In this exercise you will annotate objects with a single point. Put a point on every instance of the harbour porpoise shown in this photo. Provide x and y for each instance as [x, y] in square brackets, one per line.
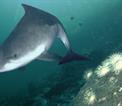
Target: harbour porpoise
[32, 38]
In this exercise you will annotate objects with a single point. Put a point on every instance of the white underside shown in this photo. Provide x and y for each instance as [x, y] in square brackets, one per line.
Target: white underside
[16, 63]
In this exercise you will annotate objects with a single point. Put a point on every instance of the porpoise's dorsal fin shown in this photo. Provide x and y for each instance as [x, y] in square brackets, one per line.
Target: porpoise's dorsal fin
[27, 8]
[31, 9]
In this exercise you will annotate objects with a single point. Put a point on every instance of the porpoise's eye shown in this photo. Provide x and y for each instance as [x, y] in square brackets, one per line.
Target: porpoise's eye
[15, 55]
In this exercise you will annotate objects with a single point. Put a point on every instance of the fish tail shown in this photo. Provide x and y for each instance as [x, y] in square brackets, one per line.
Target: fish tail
[72, 56]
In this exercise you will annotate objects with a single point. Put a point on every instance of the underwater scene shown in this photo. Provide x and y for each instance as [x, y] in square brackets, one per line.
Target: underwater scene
[60, 53]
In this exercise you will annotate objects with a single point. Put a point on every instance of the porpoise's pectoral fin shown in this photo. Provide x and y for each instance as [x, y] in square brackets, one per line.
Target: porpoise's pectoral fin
[63, 37]
[49, 57]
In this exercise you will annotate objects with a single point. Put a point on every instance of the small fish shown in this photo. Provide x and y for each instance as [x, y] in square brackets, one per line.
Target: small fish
[80, 24]
[72, 18]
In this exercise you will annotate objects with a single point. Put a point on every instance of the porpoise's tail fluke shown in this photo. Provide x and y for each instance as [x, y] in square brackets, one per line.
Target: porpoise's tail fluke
[72, 56]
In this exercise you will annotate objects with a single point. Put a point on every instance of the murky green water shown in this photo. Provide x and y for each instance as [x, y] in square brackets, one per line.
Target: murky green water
[93, 26]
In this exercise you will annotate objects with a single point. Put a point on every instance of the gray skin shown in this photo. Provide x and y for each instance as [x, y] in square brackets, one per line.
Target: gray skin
[36, 28]
[31, 39]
